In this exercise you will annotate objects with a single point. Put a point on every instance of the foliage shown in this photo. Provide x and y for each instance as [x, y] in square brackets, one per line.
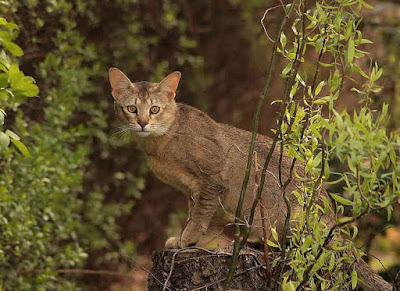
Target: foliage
[45, 225]
[368, 156]
[54, 209]
[15, 87]
[353, 151]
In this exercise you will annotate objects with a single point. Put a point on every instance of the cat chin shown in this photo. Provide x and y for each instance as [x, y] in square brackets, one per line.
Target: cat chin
[143, 133]
[148, 133]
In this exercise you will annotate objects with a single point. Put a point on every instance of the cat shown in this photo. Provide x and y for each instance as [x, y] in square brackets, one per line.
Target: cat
[205, 160]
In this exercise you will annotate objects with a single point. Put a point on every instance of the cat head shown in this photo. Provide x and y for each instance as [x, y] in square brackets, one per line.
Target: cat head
[147, 109]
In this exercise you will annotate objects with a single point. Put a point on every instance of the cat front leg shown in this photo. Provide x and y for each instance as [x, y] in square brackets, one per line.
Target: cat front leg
[174, 241]
[200, 214]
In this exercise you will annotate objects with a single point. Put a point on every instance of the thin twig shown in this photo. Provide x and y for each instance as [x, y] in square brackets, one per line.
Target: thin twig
[222, 280]
[262, 22]
[171, 269]
[165, 286]
[263, 222]
[131, 261]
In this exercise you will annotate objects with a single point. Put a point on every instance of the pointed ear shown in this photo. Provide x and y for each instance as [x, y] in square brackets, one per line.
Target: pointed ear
[170, 84]
[119, 82]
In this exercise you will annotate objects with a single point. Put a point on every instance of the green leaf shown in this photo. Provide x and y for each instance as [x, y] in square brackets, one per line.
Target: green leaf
[283, 40]
[340, 199]
[12, 135]
[345, 219]
[3, 115]
[321, 13]
[30, 90]
[287, 69]
[326, 65]
[332, 262]
[350, 51]
[14, 75]
[20, 83]
[306, 244]
[335, 80]
[289, 286]
[3, 80]
[4, 140]
[22, 148]
[319, 88]
[367, 41]
[355, 232]
[353, 279]
[379, 74]
[13, 48]
[5, 36]
[272, 244]
[274, 234]
[366, 5]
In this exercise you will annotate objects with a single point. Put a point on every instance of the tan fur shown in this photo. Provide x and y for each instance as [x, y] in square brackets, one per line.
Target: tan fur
[204, 159]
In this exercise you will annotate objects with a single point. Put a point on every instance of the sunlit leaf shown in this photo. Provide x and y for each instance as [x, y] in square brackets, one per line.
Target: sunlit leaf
[4, 140]
[22, 148]
[350, 51]
[340, 199]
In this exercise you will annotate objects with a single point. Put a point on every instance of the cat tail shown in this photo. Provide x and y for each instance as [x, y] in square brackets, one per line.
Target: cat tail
[370, 281]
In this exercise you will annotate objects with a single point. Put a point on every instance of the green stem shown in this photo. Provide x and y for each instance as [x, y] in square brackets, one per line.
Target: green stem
[285, 100]
[236, 247]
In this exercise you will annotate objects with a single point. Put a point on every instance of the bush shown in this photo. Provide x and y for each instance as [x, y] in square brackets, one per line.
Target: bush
[54, 211]
[47, 222]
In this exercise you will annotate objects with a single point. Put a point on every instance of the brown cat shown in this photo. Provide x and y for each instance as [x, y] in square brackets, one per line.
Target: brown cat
[204, 159]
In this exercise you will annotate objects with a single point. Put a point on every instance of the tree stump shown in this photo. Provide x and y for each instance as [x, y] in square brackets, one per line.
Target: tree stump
[198, 269]
[396, 286]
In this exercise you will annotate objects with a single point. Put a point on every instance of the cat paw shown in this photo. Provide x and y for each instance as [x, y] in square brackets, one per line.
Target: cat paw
[173, 242]
[176, 242]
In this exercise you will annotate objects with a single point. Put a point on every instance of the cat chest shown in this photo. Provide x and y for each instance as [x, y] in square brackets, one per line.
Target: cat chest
[173, 174]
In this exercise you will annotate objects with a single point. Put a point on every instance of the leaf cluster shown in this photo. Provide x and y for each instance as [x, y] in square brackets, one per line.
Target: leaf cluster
[322, 140]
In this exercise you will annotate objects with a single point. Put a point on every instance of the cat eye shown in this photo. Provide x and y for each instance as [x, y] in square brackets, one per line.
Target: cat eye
[131, 108]
[154, 109]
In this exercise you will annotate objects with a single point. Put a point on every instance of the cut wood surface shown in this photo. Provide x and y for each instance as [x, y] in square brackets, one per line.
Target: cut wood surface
[197, 269]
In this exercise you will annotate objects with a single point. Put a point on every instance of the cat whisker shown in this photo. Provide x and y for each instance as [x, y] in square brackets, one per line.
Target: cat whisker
[119, 132]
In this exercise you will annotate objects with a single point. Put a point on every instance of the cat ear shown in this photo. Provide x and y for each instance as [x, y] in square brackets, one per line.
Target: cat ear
[170, 84]
[119, 82]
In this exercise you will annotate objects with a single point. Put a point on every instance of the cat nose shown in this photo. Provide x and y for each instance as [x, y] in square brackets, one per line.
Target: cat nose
[142, 123]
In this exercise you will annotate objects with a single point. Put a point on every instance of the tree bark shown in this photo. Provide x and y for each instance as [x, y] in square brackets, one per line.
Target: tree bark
[197, 269]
